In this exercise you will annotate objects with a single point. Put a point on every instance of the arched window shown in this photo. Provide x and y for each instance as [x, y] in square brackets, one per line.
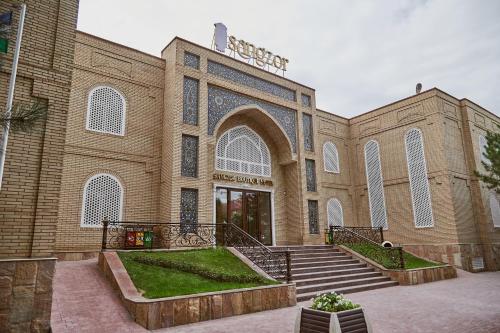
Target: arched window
[106, 111]
[483, 143]
[242, 150]
[375, 184]
[419, 183]
[331, 157]
[334, 213]
[102, 198]
[495, 209]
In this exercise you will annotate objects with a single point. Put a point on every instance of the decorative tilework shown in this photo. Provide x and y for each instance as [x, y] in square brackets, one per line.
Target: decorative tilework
[191, 60]
[190, 99]
[189, 164]
[189, 209]
[251, 81]
[306, 100]
[222, 101]
[308, 132]
[311, 175]
[312, 206]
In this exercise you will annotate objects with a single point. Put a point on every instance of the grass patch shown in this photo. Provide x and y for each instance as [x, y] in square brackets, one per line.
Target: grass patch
[156, 281]
[372, 252]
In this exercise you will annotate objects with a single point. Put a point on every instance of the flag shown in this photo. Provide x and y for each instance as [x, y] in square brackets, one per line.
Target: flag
[4, 45]
[6, 18]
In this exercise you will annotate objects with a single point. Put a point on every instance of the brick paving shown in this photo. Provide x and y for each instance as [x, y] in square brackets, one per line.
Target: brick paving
[84, 302]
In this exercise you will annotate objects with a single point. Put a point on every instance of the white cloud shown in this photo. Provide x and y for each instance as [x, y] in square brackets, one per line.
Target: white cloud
[358, 55]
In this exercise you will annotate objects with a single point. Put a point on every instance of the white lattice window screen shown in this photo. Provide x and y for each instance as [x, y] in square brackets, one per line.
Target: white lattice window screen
[495, 209]
[419, 183]
[106, 111]
[483, 143]
[242, 150]
[375, 185]
[331, 157]
[335, 213]
[102, 197]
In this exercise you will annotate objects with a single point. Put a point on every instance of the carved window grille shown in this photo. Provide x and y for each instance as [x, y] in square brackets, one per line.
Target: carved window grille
[102, 198]
[189, 209]
[306, 100]
[308, 132]
[419, 183]
[375, 183]
[242, 150]
[331, 157]
[191, 60]
[335, 213]
[483, 143]
[495, 209]
[310, 175]
[312, 206]
[106, 111]
[189, 164]
[191, 101]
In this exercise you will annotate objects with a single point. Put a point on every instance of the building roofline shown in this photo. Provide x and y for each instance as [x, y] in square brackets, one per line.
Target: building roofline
[119, 45]
[333, 114]
[233, 59]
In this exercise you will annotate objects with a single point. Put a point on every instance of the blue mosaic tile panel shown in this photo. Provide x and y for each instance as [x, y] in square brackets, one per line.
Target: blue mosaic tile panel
[189, 209]
[189, 161]
[190, 101]
[307, 123]
[251, 81]
[222, 101]
[311, 175]
[306, 100]
[312, 206]
[191, 60]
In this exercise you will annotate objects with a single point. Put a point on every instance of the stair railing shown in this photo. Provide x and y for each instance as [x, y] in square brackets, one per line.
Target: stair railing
[391, 256]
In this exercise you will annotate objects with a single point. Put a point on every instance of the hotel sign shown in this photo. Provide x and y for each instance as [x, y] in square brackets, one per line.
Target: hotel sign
[248, 51]
[243, 179]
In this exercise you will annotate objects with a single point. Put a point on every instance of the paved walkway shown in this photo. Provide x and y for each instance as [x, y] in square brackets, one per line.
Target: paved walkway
[84, 302]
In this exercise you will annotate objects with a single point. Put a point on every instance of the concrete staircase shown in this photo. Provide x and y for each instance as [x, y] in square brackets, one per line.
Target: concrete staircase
[322, 268]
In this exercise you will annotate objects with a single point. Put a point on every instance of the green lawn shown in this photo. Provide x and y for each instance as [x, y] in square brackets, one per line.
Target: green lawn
[373, 252]
[155, 281]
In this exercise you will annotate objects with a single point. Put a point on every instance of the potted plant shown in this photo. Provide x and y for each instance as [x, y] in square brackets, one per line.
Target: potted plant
[332, 313]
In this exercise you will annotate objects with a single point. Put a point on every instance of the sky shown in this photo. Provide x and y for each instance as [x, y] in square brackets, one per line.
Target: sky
[358, 55]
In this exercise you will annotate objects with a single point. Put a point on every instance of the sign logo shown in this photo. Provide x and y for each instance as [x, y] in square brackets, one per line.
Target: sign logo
[259, 56]
[243, 179]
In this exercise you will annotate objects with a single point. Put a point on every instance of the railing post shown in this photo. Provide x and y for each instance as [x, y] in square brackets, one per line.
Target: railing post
[401, 259]
[224, 235]
[288, 266]
[104, 233]
[381, 230]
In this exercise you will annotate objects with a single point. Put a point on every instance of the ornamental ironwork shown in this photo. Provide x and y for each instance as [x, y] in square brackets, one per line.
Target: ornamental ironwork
[310, 175]
[189, 163]
[222, 101]
[307, 123]
[251, 81]
[191, 101]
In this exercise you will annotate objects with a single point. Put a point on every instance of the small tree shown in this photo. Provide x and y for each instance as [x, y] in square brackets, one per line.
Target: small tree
[23, 117]
[492, 167]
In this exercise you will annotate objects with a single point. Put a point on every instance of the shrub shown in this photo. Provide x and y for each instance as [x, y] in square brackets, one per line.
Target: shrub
[332, 302]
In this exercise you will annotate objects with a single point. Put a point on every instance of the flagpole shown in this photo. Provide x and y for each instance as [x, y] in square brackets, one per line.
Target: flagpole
[10, 94]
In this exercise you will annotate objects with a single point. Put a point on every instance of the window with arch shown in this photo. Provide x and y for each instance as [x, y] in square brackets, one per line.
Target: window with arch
[102, 198]
[483, 143]
[334, 213]
[331, 157]
[242, 150]
[106, 111]
[495, 209]
[419, 183]
[375, 184]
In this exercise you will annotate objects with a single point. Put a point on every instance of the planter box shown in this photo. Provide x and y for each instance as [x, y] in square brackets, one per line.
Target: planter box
[164, 312]
[309, 320]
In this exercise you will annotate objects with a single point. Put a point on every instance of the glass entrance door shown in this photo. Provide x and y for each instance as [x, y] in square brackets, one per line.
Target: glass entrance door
[249, 210]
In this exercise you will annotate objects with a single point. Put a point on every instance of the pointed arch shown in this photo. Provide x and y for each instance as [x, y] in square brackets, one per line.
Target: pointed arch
[102, 198]
[106, 111]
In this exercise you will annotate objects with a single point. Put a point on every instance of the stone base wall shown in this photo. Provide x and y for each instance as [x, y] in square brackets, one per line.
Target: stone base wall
[180, 310]
[75, 256]
[26, 294]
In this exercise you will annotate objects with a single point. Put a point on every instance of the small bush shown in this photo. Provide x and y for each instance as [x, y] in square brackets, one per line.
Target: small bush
[332, 302]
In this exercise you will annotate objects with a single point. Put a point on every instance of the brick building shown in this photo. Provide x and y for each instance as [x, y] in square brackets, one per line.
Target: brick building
[197, 136]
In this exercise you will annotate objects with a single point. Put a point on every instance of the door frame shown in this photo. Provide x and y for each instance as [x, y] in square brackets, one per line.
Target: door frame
[247, 188]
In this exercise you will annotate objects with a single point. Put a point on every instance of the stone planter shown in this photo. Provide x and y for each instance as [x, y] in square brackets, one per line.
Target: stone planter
[309, 320]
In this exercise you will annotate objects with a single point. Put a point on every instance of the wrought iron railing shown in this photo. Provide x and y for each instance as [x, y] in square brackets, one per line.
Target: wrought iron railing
[389, 257]
[153, 235]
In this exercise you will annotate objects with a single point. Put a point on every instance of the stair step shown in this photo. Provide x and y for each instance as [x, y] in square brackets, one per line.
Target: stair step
[328, 273]
[303, 247]
[347, 290]
[342, 284]
[306, 251]
[326, 267]
[324, 263]
[316, 255]
[330, 279]
[326, 260]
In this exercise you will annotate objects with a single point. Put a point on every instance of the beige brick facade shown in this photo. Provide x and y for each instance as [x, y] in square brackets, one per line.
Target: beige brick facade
[147, 158]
